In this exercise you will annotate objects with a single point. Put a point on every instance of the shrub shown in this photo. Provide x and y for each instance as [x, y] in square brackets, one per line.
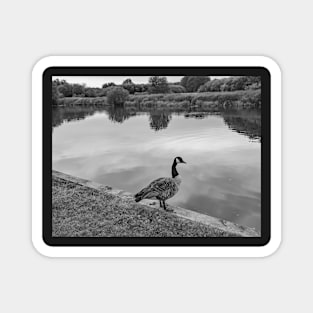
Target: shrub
[55, 95]
[177, 89]
[117, 95]
[66, 90]
[78, 90]
[148, 103]
[90, 92]
[141, 87]
[192, 83]
[213, 85]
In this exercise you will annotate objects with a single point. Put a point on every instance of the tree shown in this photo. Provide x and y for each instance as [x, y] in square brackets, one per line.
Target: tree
[117, 95]
[129, 85]
[254, 82]
[127, 81]
[232, 83]
[55, 94]
[59, 82]
[184, 81]
[159, 84]
[192, 83]
[66, 89]
[78, 90]
[108, 85]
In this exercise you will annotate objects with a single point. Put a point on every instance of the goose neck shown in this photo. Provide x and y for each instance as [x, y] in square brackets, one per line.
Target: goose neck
[174, 170]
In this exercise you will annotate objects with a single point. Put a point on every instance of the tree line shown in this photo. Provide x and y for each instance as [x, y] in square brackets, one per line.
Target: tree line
[232, 84]
[156, 84]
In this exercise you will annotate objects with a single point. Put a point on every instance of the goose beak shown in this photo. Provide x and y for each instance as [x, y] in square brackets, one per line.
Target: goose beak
[183, 162]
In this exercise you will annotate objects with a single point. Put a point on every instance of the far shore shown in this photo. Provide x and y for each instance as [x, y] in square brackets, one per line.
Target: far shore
[207, 100]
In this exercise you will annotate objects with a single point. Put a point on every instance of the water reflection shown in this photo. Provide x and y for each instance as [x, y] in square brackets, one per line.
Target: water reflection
[127, 148]
[246, 122]
[119, 113]
[159, 119]
[67, 114]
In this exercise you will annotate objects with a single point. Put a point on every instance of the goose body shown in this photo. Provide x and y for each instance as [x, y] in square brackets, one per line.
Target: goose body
[162, 188]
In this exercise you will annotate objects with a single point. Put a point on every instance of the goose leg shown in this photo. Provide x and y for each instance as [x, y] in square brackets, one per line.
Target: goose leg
[160, 204]
[166, 208]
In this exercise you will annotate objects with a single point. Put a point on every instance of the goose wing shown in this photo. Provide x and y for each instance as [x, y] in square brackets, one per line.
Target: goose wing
[162, 188]
[162, 185]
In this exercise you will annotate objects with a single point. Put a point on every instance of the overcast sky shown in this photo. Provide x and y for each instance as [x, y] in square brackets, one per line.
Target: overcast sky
[98, 81]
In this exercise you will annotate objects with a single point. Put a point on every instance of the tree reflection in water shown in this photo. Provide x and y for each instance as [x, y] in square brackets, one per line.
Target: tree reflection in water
[66, 114]
[118, 113]
[159, 119]
[245, 121]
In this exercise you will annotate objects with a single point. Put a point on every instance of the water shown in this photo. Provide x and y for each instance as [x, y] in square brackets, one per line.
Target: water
[127, 149]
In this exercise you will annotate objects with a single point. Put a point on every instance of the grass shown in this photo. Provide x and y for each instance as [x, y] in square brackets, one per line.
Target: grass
[206, 100]
[80, 211]
[82, 101]
[251, 98]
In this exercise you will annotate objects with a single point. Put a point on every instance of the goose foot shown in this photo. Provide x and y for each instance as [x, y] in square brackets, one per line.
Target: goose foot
[167, 208]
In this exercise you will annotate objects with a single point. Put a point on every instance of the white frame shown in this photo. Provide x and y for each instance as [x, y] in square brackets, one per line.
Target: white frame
[213, 251]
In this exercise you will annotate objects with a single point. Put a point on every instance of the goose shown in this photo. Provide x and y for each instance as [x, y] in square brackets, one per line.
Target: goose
[162, 188]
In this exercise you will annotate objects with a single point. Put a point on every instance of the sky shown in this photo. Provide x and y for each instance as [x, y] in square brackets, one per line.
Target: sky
[98, 81]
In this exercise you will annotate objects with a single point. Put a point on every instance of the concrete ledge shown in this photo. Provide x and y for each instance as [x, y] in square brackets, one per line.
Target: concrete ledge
[214, 222]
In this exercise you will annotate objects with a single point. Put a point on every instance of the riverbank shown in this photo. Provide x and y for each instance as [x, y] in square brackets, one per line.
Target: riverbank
[205, 100]
[81, 208]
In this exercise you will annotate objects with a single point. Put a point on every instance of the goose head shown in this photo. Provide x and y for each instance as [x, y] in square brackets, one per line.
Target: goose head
[178, 160]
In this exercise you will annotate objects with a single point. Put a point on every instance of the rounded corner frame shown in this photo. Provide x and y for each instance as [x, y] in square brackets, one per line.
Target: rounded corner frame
[270, 247]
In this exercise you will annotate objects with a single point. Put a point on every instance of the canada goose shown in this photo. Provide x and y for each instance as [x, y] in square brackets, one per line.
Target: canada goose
[162, 188]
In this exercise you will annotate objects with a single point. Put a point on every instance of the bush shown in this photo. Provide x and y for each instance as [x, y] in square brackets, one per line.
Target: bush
[192, 83]
[177, 89]
[213, 85]
[78, 90]
[117, 95]
[55, 94]
[66, 90]
[90, 92]
[141, 88]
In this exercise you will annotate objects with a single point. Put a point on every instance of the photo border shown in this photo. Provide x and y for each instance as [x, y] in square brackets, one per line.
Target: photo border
[147, 66]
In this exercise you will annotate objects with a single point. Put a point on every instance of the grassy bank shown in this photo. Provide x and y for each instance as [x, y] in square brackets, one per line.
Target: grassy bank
[79, 210]
[213, 100]
[82, 101]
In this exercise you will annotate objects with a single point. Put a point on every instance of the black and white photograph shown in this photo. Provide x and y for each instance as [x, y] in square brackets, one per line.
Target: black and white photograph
[156, 156]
